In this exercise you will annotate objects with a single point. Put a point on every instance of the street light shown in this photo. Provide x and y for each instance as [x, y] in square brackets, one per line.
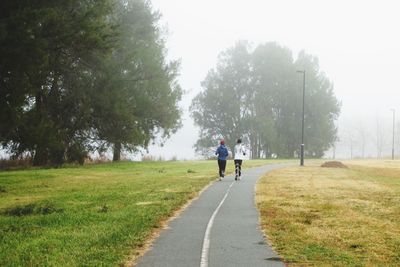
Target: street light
[394, 112]
[302, 121]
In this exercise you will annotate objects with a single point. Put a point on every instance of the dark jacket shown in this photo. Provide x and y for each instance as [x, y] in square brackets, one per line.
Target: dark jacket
[222, 152]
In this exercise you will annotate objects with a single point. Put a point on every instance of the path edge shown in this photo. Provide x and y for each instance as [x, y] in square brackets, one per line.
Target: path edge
[134, 256]
[264, 234]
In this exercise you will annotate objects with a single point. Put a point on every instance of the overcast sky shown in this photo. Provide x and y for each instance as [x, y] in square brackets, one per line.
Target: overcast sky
[357, 43]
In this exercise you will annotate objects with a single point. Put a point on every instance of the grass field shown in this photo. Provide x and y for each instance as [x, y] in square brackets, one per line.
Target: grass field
[98, 215]
[317, 216]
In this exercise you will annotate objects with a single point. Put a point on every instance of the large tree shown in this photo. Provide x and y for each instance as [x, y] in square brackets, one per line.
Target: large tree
[270, 94]
[137, 93]
[47, 49]
[273, 100]
[220, 109]
[321, 109]
[79, 74]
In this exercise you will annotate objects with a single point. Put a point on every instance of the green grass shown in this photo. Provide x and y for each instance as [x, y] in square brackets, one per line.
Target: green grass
[317, 216]
[97, 215]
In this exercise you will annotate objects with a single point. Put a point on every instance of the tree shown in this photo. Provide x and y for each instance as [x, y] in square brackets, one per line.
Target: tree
[322, 107]
[80, 75]
[363, 138]
[47, 52]
[266, 109]
[275, 100]
[137, 93]
[220, 109]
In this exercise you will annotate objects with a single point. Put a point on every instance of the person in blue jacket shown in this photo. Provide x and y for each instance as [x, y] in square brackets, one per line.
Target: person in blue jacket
[222, 153]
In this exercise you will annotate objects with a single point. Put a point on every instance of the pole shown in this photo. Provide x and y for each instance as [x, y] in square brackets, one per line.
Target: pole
[394, 112]
[302, 121]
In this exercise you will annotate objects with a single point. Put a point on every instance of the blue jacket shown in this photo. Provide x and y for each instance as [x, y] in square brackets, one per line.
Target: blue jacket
[222, 152]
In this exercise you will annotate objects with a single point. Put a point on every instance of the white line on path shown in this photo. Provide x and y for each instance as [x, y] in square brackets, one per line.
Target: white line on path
[206, 242]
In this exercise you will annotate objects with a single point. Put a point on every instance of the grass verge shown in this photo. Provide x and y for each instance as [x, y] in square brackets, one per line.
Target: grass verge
[317, 216]
[97, 215]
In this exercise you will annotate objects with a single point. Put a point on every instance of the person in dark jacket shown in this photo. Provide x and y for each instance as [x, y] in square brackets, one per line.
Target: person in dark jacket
[222, 153]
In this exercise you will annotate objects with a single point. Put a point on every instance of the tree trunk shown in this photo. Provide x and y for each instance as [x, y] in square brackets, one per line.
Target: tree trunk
[254, 150]
[41, 154]
[258, 147]
[117, 151]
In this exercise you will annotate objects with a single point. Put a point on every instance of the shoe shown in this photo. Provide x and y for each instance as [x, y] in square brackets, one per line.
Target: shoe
[236, 177]
[223, 174]
[220, 178]
[240, 178]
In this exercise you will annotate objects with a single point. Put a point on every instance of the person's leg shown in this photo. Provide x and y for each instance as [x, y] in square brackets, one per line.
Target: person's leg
[236, 168]
[223, 167]
[240, 169]
[220, 168]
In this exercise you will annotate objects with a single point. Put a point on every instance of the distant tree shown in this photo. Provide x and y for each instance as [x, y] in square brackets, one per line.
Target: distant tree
[276, 101]
[362, 137]
[350, 141]
[322, 107]
[380, 137]
[220, 109]
[257, 95]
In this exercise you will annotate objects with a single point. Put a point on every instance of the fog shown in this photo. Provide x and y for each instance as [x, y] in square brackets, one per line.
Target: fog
[357, 44]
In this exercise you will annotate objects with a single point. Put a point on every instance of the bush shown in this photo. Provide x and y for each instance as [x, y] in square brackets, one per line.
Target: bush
[152, 158]
[15, 163]
[32, 209]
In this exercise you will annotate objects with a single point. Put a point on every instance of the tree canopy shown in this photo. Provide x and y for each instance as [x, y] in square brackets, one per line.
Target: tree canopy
[79, 75]
[257, 95]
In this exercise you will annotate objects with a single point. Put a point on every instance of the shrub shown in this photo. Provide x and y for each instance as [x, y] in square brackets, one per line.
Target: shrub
[32, 209]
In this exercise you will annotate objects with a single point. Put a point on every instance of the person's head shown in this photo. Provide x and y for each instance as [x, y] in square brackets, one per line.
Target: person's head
[239, 141]
[222, 142]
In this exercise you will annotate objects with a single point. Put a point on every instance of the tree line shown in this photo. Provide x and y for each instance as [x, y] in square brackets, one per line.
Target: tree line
[78, 76]
[256, 94]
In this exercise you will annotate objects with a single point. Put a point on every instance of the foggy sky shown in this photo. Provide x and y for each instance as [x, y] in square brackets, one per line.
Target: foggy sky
[357, 43]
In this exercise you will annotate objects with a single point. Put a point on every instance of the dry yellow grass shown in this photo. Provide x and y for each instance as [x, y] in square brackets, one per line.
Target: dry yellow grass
[317, 216]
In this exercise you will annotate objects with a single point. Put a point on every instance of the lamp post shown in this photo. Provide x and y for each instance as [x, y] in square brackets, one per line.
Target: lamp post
[394, 114]
[302, 121]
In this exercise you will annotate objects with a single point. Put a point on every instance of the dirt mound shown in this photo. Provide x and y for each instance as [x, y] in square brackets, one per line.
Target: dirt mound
[333, 164]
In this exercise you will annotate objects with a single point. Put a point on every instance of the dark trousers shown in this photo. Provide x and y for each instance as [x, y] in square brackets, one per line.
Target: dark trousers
[221, 166]
[238, 167]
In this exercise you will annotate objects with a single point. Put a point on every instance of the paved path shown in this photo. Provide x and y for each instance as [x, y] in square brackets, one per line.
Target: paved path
[220, 228]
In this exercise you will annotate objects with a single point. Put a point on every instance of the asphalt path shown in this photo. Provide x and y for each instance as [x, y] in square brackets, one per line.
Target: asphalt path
[220, 228]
